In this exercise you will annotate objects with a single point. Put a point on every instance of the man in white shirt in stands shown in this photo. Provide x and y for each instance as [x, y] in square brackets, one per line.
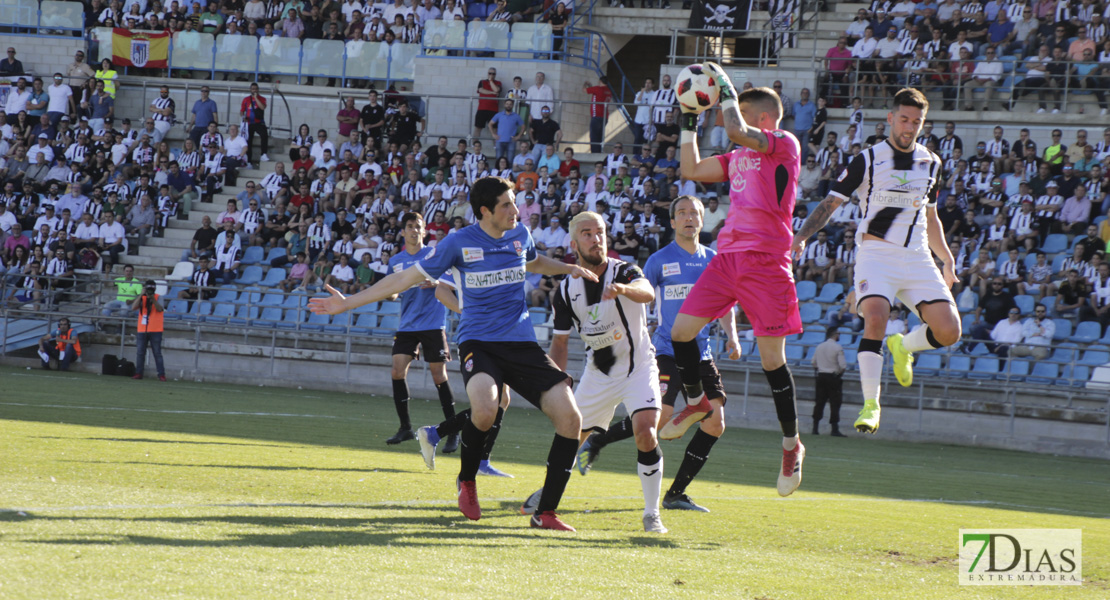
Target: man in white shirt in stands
[553, 236]
[1007, 333]
[17, 100]
[111, 239]
[60, 100]
[342, 276]
[321, 143]
[539, 95]
[235, 146]
[987, 75]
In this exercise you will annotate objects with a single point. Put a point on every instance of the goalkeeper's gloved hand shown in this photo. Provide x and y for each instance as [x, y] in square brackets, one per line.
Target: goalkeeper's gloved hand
[728, 92]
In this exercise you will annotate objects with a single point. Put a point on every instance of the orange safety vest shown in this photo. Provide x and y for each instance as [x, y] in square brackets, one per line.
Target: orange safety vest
[66, 336]
[153, 319]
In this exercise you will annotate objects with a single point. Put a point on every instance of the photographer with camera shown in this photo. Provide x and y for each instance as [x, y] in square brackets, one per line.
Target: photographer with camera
[149, 330]
[64, 346]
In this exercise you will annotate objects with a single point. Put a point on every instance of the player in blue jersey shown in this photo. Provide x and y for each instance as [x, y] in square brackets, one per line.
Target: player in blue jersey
[497, 344]
[423, 319]
[430, 435]
[672, 271]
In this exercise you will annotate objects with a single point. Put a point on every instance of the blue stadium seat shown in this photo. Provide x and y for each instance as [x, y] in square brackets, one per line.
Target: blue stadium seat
[271, 315]
[979, 350]
[176, 309]
[1049, 302]
[247, 315]
[292, 300]
[1017, 369]
[1064, 353]
[806, 290]
[794, 353]
[1044, 373]
[365, 323]
[912, 321]
[750, 351]
[227, 293]
[390, 307]
[538, 316]
[388, 325]
[220, 313]
[829, 292]
[1030, 259]
[289, 320]
[251, 276]
[966, 322]
[340, 323]
[1025, 303]
[1063, 329]
[274, 253]
[367, 308]
[476, 11]
[329, 219]
[1086, 332]
[250, 295]
[200, 310]
[1058, 262]
[274, 277]
[1055, 242]
[252, 256]
[812, 338]
[847, 340]
[1095, 357]
[1074, 376]
[316, 322]
[850, 357]
[986, 367]
[272, 299]
[958, 366]
[1105, 339]
[928, 363]
[810, 312]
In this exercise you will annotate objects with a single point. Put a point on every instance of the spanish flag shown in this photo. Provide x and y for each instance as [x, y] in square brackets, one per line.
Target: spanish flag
[140, 49]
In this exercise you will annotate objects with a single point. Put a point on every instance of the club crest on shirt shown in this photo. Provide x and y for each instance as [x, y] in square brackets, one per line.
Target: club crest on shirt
[672, 269]
[397, 268]
[863, 286]
[518, 247]
[472, 254]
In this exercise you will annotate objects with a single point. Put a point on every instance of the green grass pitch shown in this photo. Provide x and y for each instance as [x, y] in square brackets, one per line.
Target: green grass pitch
[111, 488]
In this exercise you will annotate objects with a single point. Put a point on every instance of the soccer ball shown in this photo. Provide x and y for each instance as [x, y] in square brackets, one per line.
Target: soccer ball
[697, 90]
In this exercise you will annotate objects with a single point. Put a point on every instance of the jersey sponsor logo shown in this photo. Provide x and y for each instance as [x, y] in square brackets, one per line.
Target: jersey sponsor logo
[672, 269]
[777, 134]
[594, 313]
[472, 254]
[486, 279]
[604, 337]
[677, 292]
[899, 198]
[518, 247]
[398, 268]
[863, 286]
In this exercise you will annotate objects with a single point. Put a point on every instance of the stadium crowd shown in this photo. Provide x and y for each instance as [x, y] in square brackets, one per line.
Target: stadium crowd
[1013, 49]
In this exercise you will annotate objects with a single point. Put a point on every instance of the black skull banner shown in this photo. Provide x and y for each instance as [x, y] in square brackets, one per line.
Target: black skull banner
[729, 16]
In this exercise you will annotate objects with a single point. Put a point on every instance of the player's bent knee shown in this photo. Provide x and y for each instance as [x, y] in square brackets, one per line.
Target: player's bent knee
[714, 425]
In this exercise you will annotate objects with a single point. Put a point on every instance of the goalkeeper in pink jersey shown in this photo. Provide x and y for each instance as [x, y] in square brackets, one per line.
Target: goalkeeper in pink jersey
[752, 266]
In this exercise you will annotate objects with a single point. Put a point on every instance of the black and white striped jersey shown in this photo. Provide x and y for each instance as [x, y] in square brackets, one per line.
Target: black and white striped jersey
[162, 104]
[894, 189]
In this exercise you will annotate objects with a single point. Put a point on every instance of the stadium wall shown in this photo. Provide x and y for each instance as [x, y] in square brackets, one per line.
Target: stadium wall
[43, 55]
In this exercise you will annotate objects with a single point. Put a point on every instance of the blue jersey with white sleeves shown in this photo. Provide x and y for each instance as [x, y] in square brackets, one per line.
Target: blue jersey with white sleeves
[420, 311]
[673, 271]
[489, 279]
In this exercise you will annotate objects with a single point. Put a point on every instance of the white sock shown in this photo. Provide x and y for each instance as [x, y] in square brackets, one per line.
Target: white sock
[916, 340]
[651, 480]
[789, 443]
[870, 373]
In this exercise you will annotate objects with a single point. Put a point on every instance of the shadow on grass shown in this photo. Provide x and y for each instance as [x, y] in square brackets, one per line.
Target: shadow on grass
[154, 441]
[425, 530]
[880, 468]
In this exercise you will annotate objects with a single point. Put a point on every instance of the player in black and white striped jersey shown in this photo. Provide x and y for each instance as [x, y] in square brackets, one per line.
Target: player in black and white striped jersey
[897, 182]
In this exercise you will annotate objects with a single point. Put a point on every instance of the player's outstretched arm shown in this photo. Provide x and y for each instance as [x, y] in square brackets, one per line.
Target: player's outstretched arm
[728, 325]
[558, 350]
[815, 222]
[446, 296]
[549, 266]
[394, 283]
[738, 131]
[639, 291]
[690, 165]
[935, 232]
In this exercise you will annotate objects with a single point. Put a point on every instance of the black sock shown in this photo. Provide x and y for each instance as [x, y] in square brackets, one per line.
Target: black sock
[493, 431]
[931, 338]
[401, 402]
[651, 457]
[560, 460]
[621, 430]
[473, 440]
[453, 425]
[696, 454]
[688, 359]
[446, 399]
[782, 392]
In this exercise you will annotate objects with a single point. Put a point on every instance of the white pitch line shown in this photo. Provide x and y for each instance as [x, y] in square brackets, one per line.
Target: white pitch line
[411, 503]
[181, 383]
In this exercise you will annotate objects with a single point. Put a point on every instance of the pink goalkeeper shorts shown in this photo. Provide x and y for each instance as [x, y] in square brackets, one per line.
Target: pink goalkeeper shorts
[762, 284]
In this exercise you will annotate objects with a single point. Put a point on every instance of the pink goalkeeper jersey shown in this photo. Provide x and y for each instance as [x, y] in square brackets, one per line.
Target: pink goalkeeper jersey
[762, 191]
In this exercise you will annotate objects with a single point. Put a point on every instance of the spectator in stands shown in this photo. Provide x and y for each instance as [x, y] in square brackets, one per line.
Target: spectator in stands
[1071, 295]
[489, 89]
[252, 111]
[506, 128]
[987, 75]
[342, 276]
[228, 255]
[1036, 335]
[993, 307]
[79, 71]
[63, 344]
[1006, 333]
[140, 219]
[108, 75]
[111, 239]
[1098, 308]
[1076, 213]
[10, 65]
[204, 112]
[203, 242]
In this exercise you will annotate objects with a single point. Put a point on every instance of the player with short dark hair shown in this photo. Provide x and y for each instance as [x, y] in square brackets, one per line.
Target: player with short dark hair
[422, 327]
[497, 344]
[672, 271]
[897, 182]
[752, 267]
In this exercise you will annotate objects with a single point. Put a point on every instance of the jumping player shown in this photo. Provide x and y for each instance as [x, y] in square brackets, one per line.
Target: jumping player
[497, 344]
[423, 322]
[897, 183]
[672, 272]
[752, 266]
